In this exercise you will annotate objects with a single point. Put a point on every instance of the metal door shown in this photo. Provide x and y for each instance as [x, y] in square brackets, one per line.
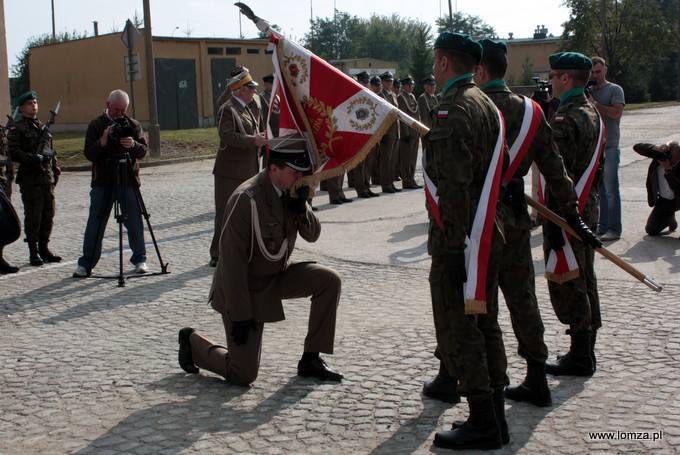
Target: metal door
[176, 93]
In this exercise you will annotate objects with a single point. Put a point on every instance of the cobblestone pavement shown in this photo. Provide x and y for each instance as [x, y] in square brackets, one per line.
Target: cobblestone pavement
[91, 368]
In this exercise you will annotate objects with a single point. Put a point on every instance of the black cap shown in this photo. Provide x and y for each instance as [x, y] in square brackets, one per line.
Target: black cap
[375, 80]
[429, 80]
[397, 83]
[292, 150]
[407, 80]
[363, 76]
[386, 76]
[269, 78]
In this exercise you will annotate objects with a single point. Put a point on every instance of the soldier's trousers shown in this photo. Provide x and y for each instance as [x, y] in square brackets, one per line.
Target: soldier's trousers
[39, 206]
[516, 280]
[471, 346]
[576, 302]
[240, 364]
[387, 152]
[408, 154]
[224, 186]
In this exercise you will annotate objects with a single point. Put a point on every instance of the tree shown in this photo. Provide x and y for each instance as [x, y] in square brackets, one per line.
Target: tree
[466, 24]
[21, 70]
[338, 37]
[420, 62]
[631, 35]
[525, 78]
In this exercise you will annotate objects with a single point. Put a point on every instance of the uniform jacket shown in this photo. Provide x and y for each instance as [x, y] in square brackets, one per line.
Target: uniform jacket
[237, 126]
[6, 170]
[245, 281]
[575, 131]
[100, 157]
[266, 97]
[459, 148]
[426, 103]
[673, 179]
[393, 132]
[23, 143]
[408, 105]
[542, 150]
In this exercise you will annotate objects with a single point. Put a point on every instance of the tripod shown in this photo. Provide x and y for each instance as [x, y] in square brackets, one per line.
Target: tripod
[119, 181]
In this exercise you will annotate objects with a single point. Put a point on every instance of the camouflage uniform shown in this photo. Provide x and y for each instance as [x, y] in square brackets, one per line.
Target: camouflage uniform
[516, 276]
[458, 152]
[36, 179]
[575, 131]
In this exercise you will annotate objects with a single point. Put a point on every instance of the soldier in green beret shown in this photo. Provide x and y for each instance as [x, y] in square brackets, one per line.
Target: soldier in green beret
[576, 131]
[37, 177]
[459, 150]
[516, 276]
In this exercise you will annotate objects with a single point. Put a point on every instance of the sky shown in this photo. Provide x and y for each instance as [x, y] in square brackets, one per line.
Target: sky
[220, 18]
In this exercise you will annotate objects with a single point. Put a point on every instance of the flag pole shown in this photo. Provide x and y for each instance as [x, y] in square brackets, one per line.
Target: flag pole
[552, 216]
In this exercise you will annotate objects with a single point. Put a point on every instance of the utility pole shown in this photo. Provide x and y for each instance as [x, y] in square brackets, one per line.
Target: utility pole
[54, 28]
[154, 128]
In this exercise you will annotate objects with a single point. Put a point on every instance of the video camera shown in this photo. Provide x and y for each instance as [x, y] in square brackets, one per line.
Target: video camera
[544, 90]
[120, 128]
[587, 90]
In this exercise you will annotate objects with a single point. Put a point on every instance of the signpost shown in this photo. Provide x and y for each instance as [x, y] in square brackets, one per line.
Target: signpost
[130, 37]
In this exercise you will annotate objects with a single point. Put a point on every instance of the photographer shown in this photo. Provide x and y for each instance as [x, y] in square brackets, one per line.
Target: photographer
[663, 185]
[112, 137]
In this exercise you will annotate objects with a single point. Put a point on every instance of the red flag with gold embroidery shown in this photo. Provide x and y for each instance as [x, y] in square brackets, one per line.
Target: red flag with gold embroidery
[341, 120]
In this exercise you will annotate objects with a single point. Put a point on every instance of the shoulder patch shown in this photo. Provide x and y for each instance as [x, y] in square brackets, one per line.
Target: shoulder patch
[558, 118]
[442, 114]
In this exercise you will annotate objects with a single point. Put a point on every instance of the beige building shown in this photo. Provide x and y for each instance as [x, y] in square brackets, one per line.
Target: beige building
[534, 50]
[190, 76]
[373, 66]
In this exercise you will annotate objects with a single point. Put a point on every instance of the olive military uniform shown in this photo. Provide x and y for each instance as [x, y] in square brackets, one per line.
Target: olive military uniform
[408, 142]
[516, 276]
[458, 151]
[36, 178]
[6, 169]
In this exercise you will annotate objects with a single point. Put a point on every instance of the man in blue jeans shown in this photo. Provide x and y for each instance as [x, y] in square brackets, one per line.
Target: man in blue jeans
[109, 138]
[609, 100]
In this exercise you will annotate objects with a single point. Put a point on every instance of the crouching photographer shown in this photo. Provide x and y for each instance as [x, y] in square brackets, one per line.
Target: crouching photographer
[113, 142]
[663, 185]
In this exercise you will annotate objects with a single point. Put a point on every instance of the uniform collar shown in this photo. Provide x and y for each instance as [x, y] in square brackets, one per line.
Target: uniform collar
[493, 83]
[570, 94]
[450, 83]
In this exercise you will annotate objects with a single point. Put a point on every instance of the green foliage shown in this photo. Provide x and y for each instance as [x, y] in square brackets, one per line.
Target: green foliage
[21, 71]
[466, 24]
[420, 62]
[345, 36]
[527, 72]
[633, 36]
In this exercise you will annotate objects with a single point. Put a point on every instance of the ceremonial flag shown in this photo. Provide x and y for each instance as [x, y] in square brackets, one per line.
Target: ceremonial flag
[340, 119]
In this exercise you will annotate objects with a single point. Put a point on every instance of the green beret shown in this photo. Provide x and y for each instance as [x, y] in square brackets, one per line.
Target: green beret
[27, 96]
[459, 42]
[493, 46]
[570, 61]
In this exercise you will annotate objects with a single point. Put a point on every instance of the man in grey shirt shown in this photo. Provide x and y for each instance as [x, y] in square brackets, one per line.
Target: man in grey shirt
[609, 100]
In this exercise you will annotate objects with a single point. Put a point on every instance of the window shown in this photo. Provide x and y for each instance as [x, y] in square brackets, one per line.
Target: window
[233, 51]
[253, 51]
[215, 51]
[268, 52]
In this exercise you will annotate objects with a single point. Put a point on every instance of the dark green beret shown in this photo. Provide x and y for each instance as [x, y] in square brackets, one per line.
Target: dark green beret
[493, 46]
[27, 96]
[407, 80]
[459, 42]
[570, 61]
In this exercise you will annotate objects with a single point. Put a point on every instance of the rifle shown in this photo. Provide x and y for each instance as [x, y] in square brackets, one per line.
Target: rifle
[7, 160]
[42, 152]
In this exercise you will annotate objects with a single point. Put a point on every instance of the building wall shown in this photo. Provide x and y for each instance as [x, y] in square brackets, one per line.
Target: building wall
[83, 72]
[372, 66]
[538, 51]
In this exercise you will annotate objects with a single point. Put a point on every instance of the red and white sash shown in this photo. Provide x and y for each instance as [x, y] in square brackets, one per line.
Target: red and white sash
[533, 115]
[561, 266]
[478, 243]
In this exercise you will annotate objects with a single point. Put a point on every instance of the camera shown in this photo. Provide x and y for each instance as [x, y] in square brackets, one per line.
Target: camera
[587, 90]
[655, 154]
[544, 90]
[120, 128]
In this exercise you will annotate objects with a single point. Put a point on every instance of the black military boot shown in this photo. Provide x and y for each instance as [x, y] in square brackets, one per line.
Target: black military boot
[534, 389]
[33, 257]
[480, 431]
[6, 267]
[577, 362]
[443, 387]
[593, 340]
[499, 410]
[46, 254]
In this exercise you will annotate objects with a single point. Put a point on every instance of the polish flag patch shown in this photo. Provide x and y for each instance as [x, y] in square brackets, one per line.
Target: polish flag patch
[443, 114]
[559, 118]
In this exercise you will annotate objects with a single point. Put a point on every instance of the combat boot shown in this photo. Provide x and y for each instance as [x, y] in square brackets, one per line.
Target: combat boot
[499, 410]
[480, 431]
[6, 267]
[534, 389]
[46, 254]
[577, 362]
[443, 387]
[33, 257]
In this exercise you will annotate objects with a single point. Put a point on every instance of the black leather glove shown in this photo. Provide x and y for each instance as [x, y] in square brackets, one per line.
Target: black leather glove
[240, 331]
[576, 223]
[454, 266]
[298, 205]
[34, 159]
[515, 196]
[554, 234]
